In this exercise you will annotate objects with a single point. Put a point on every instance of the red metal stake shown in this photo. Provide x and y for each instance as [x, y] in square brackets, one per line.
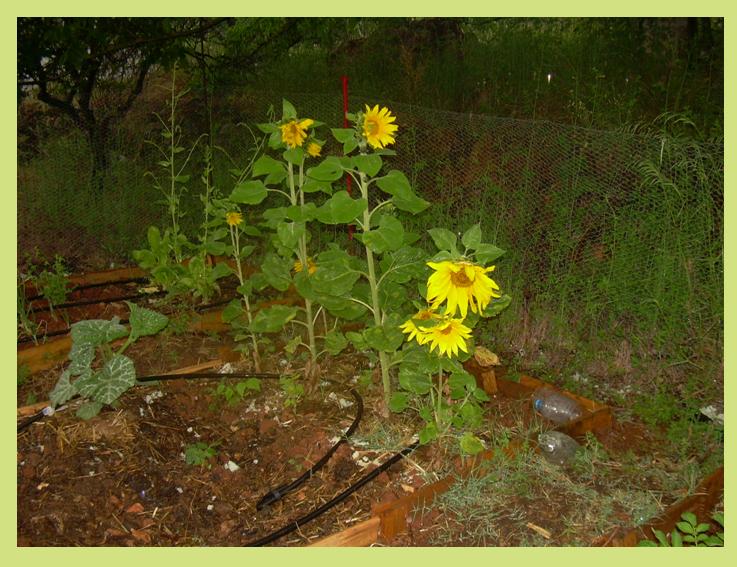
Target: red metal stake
[348, 179]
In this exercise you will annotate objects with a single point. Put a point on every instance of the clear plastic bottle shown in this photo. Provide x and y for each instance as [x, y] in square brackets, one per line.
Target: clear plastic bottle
[555, 406]
[557, 447]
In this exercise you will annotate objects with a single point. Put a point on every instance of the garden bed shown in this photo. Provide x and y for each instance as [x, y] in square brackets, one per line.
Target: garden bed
[126, 477]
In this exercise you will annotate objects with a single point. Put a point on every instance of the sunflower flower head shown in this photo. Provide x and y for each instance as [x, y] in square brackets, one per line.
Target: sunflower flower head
[461, 284]
[311, 266]
[448, 337]
[294, 132]
[378, 128]
[415, 332]
[233, 218]
[314, 149]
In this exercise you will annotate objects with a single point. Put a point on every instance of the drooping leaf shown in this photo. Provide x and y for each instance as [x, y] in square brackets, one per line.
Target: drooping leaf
[290, 233]
[388, 236]
[340, 209]
[396, 184]
[428, 433]
[249, 192]
[276, 271]
[272, 319]
[335, 342]
[274, 170]
[497, 305]
[288, 110]
[343, 134]
[233, 311]
[329, 170]
[399, 402]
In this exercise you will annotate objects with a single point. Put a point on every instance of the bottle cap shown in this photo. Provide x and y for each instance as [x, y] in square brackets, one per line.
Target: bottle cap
[538, 404]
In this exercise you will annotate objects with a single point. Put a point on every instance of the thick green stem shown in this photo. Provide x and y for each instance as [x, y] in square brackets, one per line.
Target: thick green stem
[374, 286]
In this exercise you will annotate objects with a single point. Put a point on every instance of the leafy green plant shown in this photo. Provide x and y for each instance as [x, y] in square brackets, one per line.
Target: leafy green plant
[199, 454]
[293, 389]
[115, 373]
[689, 532]
[233, 394]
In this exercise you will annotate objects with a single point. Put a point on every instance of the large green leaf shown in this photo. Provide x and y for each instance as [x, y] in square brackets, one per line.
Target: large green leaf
[304, 213]
[370, 164]
[414, 380]
[343, 134]
[470, 444]
[487, 253]
[81, 356]
[404, 264]
[249, 192]
[335, 273]
[387, 337]
[233, 311]
[335, 342]
[87, 384]
[357, 340]
[460, 383]
[330, 169]
[342, 307]
[340, 209]
[88, 410]
[472, 237]
[145, 322]
[288, 110]
[388, 236]
[396, 184]
[295, 156]
[115, 377]
[63, 391]
[289, 233]
[444, 239]
[274, 170]
[276, 271]
[272, 319]
[399, 402]
[97, 331]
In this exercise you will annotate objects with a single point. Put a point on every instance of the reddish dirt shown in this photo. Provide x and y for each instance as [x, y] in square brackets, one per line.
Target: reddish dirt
[120, 479]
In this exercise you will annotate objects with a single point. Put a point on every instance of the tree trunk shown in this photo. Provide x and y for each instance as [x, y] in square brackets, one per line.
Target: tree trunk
[97, 135]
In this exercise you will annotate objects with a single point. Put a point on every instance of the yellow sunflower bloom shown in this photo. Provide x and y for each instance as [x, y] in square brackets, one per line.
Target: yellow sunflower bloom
[294, 133]
[314, 149]
[311, 266]
[448, 337]
[378, 128]
[420, 333]
[461, 284]
[233, 218]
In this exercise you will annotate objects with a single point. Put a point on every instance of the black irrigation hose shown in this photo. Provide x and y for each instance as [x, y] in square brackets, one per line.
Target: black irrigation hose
[198, 308]
[278, 493]
[89, 286]
[275, 494]
[82, 302]
[296, 524]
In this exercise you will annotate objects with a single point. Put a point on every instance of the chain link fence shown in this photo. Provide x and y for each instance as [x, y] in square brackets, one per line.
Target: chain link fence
[616, 235]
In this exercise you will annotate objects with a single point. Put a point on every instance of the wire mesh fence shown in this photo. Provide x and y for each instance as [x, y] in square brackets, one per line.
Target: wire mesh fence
[614, 232]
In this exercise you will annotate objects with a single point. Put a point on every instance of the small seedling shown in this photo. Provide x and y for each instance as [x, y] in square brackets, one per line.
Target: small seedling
[689, 532]
[235, 394]
[199, 454]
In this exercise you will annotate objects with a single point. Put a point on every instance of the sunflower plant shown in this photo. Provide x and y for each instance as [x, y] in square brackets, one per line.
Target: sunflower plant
[301, 184]
[432, 380]
[391, 264]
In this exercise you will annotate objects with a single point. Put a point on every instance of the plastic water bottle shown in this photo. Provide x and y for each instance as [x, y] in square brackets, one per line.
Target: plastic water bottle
[555, 406]
[557, 447]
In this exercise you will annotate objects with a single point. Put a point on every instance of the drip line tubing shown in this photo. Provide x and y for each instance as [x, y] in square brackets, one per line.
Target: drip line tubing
[277, 493]
[91, 285]
[83, 302]
[198, 308]
[298, 523]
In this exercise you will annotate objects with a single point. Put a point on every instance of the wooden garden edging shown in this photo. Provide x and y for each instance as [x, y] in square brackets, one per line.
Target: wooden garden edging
[701, 503]
[389, 519]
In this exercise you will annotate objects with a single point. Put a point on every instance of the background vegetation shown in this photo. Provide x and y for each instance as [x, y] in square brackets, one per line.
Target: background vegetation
[591, 149]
